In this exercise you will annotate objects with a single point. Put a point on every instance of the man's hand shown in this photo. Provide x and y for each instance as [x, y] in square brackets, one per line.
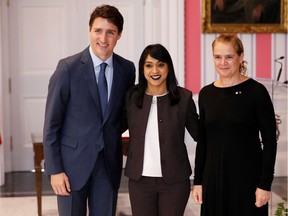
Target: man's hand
[219, 5]
[60, 184]
[257, 13]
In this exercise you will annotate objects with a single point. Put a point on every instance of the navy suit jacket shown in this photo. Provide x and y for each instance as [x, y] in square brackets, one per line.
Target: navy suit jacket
[73, 121]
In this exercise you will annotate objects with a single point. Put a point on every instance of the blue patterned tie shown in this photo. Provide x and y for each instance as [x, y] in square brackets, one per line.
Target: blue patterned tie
[102, 88]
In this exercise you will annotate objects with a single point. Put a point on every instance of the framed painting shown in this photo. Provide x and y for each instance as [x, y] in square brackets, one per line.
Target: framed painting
[244, 16]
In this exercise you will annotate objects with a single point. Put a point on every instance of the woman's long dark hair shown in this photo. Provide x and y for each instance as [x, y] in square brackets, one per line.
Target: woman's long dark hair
[159, 52]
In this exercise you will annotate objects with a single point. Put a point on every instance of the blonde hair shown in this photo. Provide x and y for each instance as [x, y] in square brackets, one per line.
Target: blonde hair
[234, 40]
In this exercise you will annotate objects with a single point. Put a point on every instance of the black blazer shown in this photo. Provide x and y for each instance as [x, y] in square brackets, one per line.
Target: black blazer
[172, 121]
[73, 121]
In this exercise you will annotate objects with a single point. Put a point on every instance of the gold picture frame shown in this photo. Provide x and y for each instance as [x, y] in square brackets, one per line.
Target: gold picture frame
[209, 25]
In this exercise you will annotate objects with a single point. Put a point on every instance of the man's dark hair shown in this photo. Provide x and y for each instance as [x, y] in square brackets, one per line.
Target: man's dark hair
[108, 12]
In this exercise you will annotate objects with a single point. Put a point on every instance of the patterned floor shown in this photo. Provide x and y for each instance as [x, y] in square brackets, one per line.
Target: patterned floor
[28, 206]
[17, 197]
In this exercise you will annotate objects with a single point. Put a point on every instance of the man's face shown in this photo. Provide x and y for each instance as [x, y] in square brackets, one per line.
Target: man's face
[103, 37]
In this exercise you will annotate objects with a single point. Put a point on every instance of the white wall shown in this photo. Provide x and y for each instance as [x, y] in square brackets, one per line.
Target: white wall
[2, 179]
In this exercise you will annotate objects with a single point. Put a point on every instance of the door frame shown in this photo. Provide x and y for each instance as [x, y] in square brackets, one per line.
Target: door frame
[5, 123]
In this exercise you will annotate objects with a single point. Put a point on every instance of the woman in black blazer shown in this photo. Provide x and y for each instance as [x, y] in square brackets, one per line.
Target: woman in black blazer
[158, 112]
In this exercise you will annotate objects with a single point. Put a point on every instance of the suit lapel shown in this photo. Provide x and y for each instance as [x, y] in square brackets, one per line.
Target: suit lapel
[89, 75]
[117, 76]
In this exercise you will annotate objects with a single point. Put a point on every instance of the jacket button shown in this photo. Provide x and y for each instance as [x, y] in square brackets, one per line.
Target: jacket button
[161, 120]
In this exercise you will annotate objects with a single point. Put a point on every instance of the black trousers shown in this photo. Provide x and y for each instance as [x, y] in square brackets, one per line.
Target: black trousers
[151, 196]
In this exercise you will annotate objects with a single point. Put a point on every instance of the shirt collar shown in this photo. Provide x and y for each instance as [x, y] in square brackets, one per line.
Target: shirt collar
[97, 61]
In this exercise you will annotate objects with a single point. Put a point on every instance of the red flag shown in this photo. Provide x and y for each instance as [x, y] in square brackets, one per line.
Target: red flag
[0, 140]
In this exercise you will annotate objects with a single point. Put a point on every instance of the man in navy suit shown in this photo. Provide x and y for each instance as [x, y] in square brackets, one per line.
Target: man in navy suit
[82, 146]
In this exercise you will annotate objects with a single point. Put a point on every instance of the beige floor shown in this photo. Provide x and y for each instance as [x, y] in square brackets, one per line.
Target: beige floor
[26, 206]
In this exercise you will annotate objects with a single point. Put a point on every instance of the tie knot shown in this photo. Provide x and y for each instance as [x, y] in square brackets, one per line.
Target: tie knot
[103, 66]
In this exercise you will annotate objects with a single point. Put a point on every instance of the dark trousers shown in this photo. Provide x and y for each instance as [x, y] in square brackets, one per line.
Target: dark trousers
[97, 193]
[153, 197]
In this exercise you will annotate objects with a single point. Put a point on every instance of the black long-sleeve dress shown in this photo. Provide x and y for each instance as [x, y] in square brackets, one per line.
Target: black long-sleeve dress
[237, 148]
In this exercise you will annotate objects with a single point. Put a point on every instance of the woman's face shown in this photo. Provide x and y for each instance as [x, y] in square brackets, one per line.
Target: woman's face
[156, 73]
[226, 60]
